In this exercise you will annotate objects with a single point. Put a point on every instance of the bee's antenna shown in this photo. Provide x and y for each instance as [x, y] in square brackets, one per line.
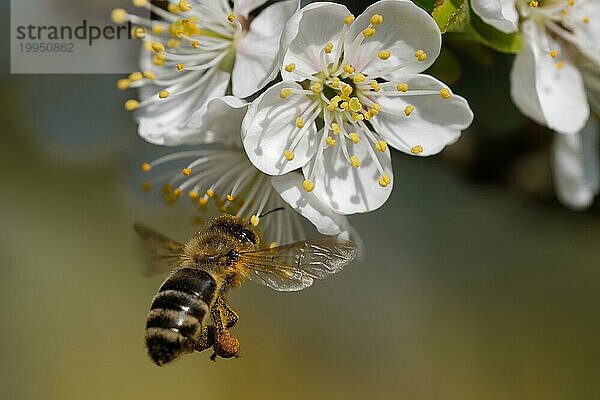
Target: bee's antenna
[272, 211]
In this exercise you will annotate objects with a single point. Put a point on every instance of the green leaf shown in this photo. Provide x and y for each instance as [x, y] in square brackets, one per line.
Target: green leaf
[451, 15]
[426, 5]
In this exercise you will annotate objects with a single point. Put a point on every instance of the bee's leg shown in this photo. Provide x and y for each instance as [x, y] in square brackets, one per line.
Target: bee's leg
[230, 318]
[226, 345]
[206, 339]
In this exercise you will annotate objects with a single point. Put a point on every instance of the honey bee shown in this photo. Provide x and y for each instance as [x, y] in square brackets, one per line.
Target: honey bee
[211, 262]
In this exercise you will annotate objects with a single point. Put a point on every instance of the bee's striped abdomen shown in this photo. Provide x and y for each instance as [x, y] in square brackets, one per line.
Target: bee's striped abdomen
[177, 312]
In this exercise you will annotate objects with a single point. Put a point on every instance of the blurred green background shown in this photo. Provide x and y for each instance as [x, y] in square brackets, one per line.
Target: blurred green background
[476, 285]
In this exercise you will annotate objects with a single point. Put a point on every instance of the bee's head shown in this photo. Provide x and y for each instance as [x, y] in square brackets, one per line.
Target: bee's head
[238, 228]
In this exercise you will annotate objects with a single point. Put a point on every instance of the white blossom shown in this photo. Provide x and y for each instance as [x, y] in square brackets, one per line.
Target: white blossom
[350, 88]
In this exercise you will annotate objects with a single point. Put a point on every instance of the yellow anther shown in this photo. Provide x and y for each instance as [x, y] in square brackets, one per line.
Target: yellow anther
[254, 220]
[366, 115]
[368, 32]
[146, 167]
[445, 93]
[193, 195]
[355, 161]
[328, 48]
[123, 84]
[308, 185]
[195, 44]
[354, 137]
[335, 82]
[402, 87]
[119, 16]
[158, 47]
[358, 117]
[560, 65]
[231, 18]
[136, 76]
[230, 197]
[184, 5]
[381, 146]
[375, 86]
[273, 245]
[299, 123]
[149, 75]
[317, 87]
[139, 32]
[409, 110]
[173, 8]
[290, 67]
[349, 69]
[564, 12]
[347, 90]
[178, 192]
[533, 3]
[210, 193]
[376, 107]
[148, 46]
[358, 78]
[585, 20]
[421, 55]
[331, 107]
[384, 55]
[376, 19]
[186, 171]
[289, 155]
[147, 186]
[285, 93]
[157, 29]
[335, 128]
[373, 112]
[349, 19]
[203, 201]
[140, 3]
[158, 60]
[384, 181]
[330, 141]
[571, 2]
[355, 104]
[131, 105]
[418, 149]
[345, 105]
[163, 94]
[553, 54]
[180, 67]
[172, 43]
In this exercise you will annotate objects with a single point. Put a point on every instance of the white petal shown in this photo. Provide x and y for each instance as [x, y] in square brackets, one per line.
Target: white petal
[501, 14]
[164, 122]
[308, 205]
[307, 34]
[587, 34]
[245, 7]
[406, 28]
[270, 126]
[550, 96]
[349, 190]
[256, 62]
[576, 167]
[434, 123]
[591, 79]
[220, 122]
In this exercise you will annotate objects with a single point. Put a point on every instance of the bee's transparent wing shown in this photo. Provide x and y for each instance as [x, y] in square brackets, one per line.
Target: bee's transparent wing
[162, 252]
[295, 266]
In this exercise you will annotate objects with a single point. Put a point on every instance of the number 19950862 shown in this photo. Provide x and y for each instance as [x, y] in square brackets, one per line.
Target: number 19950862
[46, 47]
